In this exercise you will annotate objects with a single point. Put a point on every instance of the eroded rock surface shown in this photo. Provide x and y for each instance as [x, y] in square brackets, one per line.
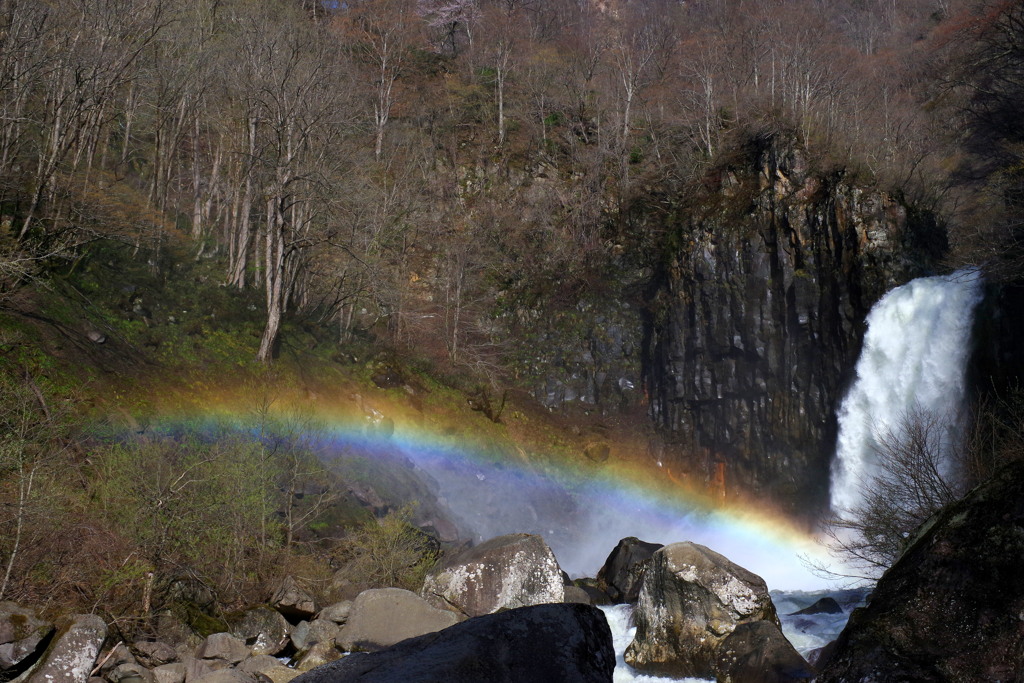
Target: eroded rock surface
[154, 653]
[506, 572]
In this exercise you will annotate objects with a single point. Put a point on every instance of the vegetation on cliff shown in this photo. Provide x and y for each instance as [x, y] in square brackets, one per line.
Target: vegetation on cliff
[474, 193]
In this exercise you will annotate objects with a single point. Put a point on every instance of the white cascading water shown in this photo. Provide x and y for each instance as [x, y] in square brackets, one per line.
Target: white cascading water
[914, 359]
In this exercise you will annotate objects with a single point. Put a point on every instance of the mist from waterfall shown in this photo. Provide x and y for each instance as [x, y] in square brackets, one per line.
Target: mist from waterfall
[913, 360]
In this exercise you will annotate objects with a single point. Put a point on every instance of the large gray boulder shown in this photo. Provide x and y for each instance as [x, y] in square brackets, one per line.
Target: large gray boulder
[503, 573]
[623, 571]
[264, 630]
[568, 643]
[952, 607]
[381, 617]
[221, 650]
[21, 634]
[691, 599]
[72, 655]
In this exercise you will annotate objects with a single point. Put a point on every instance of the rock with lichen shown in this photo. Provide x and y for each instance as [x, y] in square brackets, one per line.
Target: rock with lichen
[72, 655]
[690, 601]
[506, 572]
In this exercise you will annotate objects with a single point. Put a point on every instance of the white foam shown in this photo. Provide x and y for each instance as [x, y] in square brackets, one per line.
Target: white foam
[620, 620]
[914, 358]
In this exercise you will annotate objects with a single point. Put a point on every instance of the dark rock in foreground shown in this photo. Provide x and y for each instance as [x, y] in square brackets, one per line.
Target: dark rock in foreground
[623, 571]
[950, 608]
[757, 652]
[560, 643]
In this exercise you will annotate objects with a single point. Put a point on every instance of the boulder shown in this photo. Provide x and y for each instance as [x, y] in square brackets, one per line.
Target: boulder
[298, 635]
[563, 642]
[623, 571]
[757, 652]
[574, 594]
[263, 630]
[22, 635]
[827, 605]
[691, 599]
[292, 601]
[595, 592]
[115, 657]
[222, 647]
[270, 667]
[338, 612]
[280, 674]
[950, 608]
[171, 628]
[169, 673]
[154, 653]
[196, 668]
[503, 573]
[308, 634]
[130, 673]
[258, 664]
[72, 655]
[318, 655]
[381, 617]
[230, 676]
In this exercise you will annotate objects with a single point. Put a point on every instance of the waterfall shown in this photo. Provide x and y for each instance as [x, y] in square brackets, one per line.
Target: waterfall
[913, 360]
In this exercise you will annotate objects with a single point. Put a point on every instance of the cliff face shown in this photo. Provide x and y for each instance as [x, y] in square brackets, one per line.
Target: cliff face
[756, 317]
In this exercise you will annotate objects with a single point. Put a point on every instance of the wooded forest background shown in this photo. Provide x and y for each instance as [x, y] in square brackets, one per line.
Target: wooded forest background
[362, 162]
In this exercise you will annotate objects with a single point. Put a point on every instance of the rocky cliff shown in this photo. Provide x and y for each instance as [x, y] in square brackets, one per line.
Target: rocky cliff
[950, 608]
[755, 316]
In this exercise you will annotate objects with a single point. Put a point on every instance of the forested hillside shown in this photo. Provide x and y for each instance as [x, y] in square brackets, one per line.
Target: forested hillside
[405, 167]
[508, 197]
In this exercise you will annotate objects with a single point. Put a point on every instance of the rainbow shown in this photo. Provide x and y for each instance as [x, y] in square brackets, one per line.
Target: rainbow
[581, 509]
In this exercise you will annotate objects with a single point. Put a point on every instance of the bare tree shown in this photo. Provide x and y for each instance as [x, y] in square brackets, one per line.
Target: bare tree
[382, 34]
[920, 470]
